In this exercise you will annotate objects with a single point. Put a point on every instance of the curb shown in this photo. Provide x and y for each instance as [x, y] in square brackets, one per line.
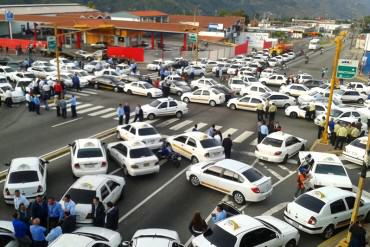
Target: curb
[64, 150]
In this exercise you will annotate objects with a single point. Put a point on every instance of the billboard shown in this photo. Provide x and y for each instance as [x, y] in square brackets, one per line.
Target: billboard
[256, 39]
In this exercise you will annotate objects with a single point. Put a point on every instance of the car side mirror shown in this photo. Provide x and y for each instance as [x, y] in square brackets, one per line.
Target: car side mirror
[126, 244]
[70, 144]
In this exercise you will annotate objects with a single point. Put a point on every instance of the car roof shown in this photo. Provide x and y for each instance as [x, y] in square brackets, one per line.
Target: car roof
[279, 135]
[26, 163]
[156, 231]
[233, 165]
[141, 125]
[88, 143]
[130, 144]
[329, 193]
[89, 182]
[100, 231]
[196, 135]
[166, 99]
[70, 239]
[326, 158]
[239, 223]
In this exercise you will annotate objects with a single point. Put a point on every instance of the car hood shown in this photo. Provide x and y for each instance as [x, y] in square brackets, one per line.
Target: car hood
[331, 180]
[148, 108]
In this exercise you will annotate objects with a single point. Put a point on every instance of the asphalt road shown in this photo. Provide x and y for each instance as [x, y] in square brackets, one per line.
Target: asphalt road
[164, 200]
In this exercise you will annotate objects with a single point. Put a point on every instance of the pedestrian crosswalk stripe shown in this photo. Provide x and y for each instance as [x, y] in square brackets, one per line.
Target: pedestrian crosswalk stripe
[285, 168]
[101, 112]
[218, 127]
[181, 125]
[275, 174]
[83, 106]
[151, 121]
[91, 109]
[168, 122]
[70, 96]
[80, 94]
[243, 136]
[199, 126]
[109, 115]
[254, 142]
[229, 131]
[89, 91]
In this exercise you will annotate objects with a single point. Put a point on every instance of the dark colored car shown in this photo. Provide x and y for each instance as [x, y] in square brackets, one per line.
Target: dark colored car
[179, 64]
[227, 91]
[314, 83]
[108, 82]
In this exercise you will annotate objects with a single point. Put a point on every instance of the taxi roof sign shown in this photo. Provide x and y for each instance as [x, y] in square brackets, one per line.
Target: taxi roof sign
[234, 225]
[319, 194]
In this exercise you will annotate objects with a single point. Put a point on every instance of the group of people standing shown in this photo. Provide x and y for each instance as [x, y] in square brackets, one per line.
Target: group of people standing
[266, 120]
[125, 112]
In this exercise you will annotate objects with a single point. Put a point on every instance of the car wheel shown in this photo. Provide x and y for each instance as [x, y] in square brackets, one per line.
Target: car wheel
[96, 86]
[115, 89]
[201, 74]
[149, 95]
[263, 82]
[212, 103]
[125, 171]
[286, 106]
[129, 91]
[179, 114]
[186, 100]
[360, 101]
[179, 93]
[194, 160]
[151, 116]
[291, 243]
[232, 107]
[328, 232]
[285, 159]
[293, 115]
[238, 198]
[303, 148]
[194, 180]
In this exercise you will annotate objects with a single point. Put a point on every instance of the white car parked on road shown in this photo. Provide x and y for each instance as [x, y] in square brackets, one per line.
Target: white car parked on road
[17, 94]
[279, 99]
[142, 88]
[203, 83]
[247, 102]
[154, 237]
[255, 90]
[165, 107]
[274, 80]
[294, 90]
[210, 96]
[355, 151]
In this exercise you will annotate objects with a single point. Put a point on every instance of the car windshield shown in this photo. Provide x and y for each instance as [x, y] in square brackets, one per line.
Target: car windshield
[219, 237]
[48, 69]
[209, 143]
[9, 70]
[23, 177]
[140, 153]
[252, 79]
[81, 196]
[359, 144]
[272, 142]
[147, 131]
[311, 203]
[252, 175]
[155, 103]
[330, 169]
[216, 91]
[89, 153]
[335, 113]
[6, 88]
[179, 83]
[29, 75]
[147, 85]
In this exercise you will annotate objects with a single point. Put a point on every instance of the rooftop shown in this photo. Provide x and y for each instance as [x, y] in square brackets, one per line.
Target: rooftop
[204, 21]
[43, 9]
[148, 13]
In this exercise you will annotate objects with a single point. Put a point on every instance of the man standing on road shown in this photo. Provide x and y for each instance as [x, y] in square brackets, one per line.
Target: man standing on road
[301, 179]
[311, 111]
[20, 231]
[63, 107]
[264, 130]
[58, 89]
[55, 212]
[38, 233]
[20, 199]
[36, 103]
[112, 217]
[120, 113]
[139, 115]
[98, 212]
[272, 111]
[39, 209]
[260, 111]
[28, 100]
[321, 127]
[57, 104]
[73, 106]
[76, 82]
[341, 137]
[195, 128]
[127, 111]
[227, 143]
[69, 223]
[69, 205]
[212, 131]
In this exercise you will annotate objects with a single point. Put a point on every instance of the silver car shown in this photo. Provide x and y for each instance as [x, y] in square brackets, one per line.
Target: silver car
[178, 87]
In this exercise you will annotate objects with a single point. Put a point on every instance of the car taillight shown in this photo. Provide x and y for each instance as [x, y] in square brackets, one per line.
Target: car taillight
[256, 190]
[103, 164]
[7, 192]
[77, 166]
[39, 189]
[277, 153]
[312, 221]
[206, 155]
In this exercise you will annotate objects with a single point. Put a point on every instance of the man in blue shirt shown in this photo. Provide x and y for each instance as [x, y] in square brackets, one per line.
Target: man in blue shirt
[120, 113]
[264, 130]
[55, 211]
[53, 234]
[76, 82]
[73, 106]
[36, 103]
[20, 231]
[219, 215]
[38, 233]
[69, 205]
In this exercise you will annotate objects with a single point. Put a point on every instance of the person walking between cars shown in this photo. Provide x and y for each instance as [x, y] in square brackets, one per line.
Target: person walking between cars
[264, 130]
[272, 111]
[20, 199]
[354, 134]
[260, 111]
[28, 100]
[341, 137]
[58, 89]
[120, 113]
[333, 137]
[197, 225]
[301, 179]
[36, 103]
[212, 131]
[227, 143]
[20, 231]
[112, 217]
[76, 83]
[127, 111]
[55, 212]
[63, 107]
[311, 111]
[39, 209]
[267, 106]
[73, 106]
[139, 115]
[98, 212]
[331, 126]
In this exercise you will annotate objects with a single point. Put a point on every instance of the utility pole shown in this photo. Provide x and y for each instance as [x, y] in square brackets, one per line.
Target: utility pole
[57, 54]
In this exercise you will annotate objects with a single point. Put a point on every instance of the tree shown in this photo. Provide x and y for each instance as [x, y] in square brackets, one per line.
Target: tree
[91, 4]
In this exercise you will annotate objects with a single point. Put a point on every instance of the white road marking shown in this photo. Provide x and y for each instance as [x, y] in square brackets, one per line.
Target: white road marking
[109, 115]
[275, 209]
[275, 174]
[67, 122]
[89, 91]
[218, 127]
[79, 94]
[90, 109]
[285, 168]
[125, 216]
[83, 106]
[115, 171]
[243, 136]
[151, 121]
[229, 131]
[254, 142]
[181, 125]
[168, 122]
[199, 125]
[101, 112]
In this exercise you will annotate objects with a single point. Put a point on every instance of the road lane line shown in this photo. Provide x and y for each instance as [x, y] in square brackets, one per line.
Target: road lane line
[243, 136]
[83, 106]
[151, 121]
[199, 125]
[218, 127]
[67, 122]
[91, 109]
[254, 142]
[79, 94]
[125, 216]
[181, 125]
[101, 112]
[285, 168]
[89, 91]
[229, 131]
[115, 171]
[275, 174]
[275, 209]
[168, 122]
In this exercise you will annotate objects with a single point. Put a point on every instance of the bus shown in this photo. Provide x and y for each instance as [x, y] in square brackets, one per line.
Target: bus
[314, 44]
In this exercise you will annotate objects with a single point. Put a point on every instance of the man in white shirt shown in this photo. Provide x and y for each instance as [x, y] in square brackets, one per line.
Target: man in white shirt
[19, 199]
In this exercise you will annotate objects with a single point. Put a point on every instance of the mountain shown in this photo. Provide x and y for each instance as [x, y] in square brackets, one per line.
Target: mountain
[279, 8]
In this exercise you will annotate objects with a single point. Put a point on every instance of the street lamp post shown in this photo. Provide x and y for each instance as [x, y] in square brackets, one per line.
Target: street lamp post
[57, 54]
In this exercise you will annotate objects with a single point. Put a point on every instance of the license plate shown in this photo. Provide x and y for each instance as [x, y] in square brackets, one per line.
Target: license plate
[89, 165]
[146, 164]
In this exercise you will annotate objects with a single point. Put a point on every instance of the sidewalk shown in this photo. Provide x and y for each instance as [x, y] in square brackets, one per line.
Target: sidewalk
[326, 148]
[333, 241]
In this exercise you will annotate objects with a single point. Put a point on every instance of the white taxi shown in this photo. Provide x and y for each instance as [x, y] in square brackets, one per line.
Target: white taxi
[210, 96]
[355, 151]
[267, 72]
[234, 178]
[108, 188]
[299, 111]
[279, 99]
[196, 146]
[243, 230]
[140, 131]
[28, 175]
[154, 237]
[7, 234]
[294, 89]
[237, 84]
[89, 237]
[248, 103]
[338, 113]
[165, 107]
[88, 157]
[203, 83]
[277, 147]
[274, 79]
[326, 170]
[255, 90]
[323, 210]
[134, 157]
[142, 88]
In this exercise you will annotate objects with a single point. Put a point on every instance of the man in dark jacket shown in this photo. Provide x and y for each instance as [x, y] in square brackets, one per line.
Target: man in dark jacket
[39, 209]
[69, 223]
[127, 111]
[98, 212]
[111, 220]
[227, 143]
[76, 82]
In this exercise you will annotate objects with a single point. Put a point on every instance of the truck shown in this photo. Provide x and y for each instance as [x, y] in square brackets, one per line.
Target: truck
[314, 44]
[281, 48]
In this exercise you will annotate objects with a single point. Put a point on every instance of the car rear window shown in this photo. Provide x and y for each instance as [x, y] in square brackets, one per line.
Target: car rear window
[357, 143]
[140, 153]
[147, 131]
[219, 237]
[82, 196]
[252, 175]
[310, 203]
[209, 143]
[89, 153]
[23, 177]
[272, 142]
[330, 169]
